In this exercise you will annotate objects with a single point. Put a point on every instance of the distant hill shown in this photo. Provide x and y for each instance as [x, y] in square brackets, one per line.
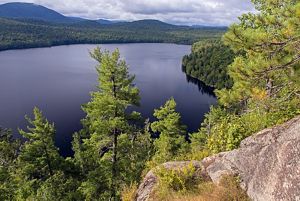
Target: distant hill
[32, 11]
[107, 22]
[146, 24]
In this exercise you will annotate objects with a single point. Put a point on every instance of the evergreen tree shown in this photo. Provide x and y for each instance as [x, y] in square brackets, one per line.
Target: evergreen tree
[270, 68]
[38, 159]
[266, 89]
[106, 148]
[59, 187]
[9, 148]
[171, 142]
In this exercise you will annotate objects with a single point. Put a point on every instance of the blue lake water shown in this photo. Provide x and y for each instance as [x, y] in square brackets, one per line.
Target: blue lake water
[58, 81]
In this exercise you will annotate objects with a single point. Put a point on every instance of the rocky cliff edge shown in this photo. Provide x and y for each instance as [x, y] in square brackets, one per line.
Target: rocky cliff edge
[267, 163]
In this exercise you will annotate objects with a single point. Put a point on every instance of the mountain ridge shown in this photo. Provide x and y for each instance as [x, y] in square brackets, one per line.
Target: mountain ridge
[32, 11]
[18, 10]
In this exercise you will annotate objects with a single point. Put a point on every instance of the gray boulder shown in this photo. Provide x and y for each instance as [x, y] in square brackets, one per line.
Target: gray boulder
[267, 163]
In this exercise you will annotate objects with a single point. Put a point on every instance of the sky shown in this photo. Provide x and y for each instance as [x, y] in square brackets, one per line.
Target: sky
[185, 12]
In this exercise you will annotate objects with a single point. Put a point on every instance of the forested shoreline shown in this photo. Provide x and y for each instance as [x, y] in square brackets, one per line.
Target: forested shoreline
[208, 62]
[115, 148]
[22, 33]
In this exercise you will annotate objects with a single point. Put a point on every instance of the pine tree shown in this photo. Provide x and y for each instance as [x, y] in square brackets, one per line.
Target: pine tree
[266, 76]
[9, 148]
[171, 142]
[270, 67]
[108, 138]
[38, 159]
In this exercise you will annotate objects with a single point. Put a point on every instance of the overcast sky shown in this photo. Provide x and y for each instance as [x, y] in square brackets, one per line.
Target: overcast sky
[189, 12]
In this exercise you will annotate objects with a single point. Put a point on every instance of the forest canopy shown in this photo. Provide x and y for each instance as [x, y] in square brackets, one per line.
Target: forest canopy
[209, 63]
[18, 34]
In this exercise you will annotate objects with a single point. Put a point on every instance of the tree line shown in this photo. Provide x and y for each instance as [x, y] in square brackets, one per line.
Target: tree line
[208, 62]
[20, 34]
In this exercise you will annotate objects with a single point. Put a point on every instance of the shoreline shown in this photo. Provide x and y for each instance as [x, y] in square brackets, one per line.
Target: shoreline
[100, 43]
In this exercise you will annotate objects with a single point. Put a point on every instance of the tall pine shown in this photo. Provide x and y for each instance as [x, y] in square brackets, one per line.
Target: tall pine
[108, 139]
[268, 74]
[171, 142]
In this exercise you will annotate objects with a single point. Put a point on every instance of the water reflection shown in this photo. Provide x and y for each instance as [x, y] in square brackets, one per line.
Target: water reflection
[204, 89]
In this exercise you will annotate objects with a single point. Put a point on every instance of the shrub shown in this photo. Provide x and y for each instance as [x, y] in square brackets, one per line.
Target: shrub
[180, 181]
[228, 190]
[129, 192]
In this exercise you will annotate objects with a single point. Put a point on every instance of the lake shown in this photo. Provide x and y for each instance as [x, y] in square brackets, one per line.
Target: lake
[58, 81]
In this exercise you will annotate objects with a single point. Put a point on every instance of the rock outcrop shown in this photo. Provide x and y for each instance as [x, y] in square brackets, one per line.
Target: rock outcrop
[267, 163]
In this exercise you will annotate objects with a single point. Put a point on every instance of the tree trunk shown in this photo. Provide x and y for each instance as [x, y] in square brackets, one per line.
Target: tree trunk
[114, 156]
[114, 167]
[48, 159]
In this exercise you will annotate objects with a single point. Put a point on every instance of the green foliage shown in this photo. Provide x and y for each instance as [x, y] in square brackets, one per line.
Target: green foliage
[171, 142]
[59, 187]
[266, 79]
[34, 170]
[186, 184]
[208, 62]
[39, 158]
[228, 188]
[105, 150]
[9, 148]
[271, 65]
[18, 34]
[179, 180]
[228, 130]
[106, 157]
[129, 192]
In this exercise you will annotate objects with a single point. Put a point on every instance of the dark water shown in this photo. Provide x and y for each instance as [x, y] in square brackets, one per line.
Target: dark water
[58, 80]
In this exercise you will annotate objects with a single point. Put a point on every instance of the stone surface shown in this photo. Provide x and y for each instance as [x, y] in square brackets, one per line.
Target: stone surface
[146, 188]
[267, 163]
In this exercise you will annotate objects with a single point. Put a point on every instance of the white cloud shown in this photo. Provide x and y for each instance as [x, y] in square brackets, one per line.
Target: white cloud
[206, 12]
